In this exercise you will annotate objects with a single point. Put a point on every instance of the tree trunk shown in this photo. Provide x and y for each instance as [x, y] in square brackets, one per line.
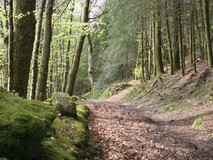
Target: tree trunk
[142, 58]
[158, 54]
[10, 46]
[180, 39]
[5, 55]
[192, 40]
[169, 40]
[73, 72]
[176, 56]
[90, 62]
[36, 51]
[24, 34]
[43, 70]
[67, 64]
[151, 47]
[207, 29]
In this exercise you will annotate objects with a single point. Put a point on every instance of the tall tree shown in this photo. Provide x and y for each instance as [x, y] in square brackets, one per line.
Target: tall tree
[90, 61]
[73, 72]
[43, 70]
[36, 51]
[192, 38]
[4, 26]
[182, 58]
[169, 39]
[67, 63]
[207, 29]
[158, 43]
[10, 46]
[175, 37]
[24, 33]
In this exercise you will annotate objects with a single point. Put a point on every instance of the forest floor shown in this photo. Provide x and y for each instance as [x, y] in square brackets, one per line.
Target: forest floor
[150, 127]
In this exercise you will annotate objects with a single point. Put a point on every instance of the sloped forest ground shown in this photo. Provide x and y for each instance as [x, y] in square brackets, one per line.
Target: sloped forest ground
[170, 119]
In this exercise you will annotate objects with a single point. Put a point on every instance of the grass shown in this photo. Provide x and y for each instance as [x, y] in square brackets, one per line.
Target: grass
[177, 106]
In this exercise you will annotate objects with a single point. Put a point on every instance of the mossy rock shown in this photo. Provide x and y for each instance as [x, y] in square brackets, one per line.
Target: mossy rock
[23, 125]
[64, 104]
[69, 138]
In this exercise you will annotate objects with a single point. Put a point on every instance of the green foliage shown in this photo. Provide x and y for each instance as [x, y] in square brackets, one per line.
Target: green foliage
[198, 123]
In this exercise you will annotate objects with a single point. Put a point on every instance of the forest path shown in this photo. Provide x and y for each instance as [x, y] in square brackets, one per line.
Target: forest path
[124, 132]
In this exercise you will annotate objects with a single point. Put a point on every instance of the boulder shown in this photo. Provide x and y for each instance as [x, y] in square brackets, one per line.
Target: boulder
[64, 104]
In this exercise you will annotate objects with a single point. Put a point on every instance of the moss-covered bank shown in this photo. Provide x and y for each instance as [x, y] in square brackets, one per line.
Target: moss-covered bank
[31, 130]
[23, 125]
[69, 138]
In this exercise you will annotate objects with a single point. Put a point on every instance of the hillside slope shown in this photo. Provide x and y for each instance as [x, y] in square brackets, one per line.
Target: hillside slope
[169, 118]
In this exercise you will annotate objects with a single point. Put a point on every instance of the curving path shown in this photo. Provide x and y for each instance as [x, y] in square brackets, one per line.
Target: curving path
[127, 133]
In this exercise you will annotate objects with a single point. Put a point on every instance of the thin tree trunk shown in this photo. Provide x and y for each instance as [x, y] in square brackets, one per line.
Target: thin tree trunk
[10, 46]
[159, 62]
[142, 58]
[150, 49]
[77, 56]
[208, 37]
[180, 39]
[66, 70]
[147, 56]
[169, 40]
[24, 34]
[90, 61]
[67, 64]
[154, 45]
[175, 38]
[36, 51]
[192, 40]
[43, 71]
[5, 55]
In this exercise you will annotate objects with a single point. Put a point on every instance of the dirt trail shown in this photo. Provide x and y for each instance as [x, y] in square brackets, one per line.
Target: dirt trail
[124, 132]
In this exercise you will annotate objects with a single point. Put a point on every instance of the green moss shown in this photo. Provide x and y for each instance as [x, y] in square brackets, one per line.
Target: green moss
[138, 90]
[177, 106]
[69, 138]
[23, 125]
[198, 123]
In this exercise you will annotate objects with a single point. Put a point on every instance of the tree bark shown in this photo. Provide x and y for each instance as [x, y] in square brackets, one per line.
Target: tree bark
[43, 70]
[10, 47]
[207, 29]
[180, 39]
[192, 40]
[90, 61]
[5, 55]
[67, 64]
[158, 54]
[24, 34]
[169, 40]
[36, 51]
[73, 72]
[176, 56]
